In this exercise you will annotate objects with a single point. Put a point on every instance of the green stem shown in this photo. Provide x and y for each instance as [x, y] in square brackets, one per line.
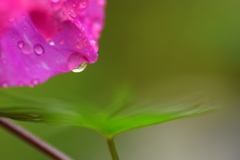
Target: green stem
[112, 148]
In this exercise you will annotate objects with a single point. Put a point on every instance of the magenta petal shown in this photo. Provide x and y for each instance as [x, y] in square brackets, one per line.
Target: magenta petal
[41, 43]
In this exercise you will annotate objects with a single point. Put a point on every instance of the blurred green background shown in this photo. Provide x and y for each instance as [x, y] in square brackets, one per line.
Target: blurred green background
[163, 49]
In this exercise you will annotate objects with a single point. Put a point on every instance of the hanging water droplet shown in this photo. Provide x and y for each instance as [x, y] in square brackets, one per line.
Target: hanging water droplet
[20, 44]
[81, 67]
[77, 62]
[38, 49]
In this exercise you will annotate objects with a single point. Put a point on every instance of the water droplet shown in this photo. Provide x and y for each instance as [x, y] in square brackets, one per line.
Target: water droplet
[20, 44]
[81, 67]
[77, 62]
[38, 49]
[51, 43]
[27, 48]
[72, 14]
[79, 45]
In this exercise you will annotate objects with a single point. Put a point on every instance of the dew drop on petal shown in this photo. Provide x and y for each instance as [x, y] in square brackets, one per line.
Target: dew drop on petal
[72, 14]
[27, 48]
[20, 44]
[51, 43]
[79, 45]
[38, 49]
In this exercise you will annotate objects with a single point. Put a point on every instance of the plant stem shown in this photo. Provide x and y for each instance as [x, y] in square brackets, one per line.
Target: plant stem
[21, 133]
[112, 148]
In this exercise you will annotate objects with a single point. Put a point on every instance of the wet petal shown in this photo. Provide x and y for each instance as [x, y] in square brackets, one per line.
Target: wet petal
[49, 39]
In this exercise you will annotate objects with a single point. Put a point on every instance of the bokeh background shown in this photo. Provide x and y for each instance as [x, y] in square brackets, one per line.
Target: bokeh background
[163, 49]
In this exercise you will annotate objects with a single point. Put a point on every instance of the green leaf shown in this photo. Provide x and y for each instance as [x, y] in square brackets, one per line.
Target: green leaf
[122, 113]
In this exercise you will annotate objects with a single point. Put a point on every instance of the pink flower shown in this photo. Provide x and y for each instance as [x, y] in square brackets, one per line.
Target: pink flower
[42, 38]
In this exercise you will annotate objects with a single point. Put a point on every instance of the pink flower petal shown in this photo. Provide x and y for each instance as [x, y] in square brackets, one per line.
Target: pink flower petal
[45, 38]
